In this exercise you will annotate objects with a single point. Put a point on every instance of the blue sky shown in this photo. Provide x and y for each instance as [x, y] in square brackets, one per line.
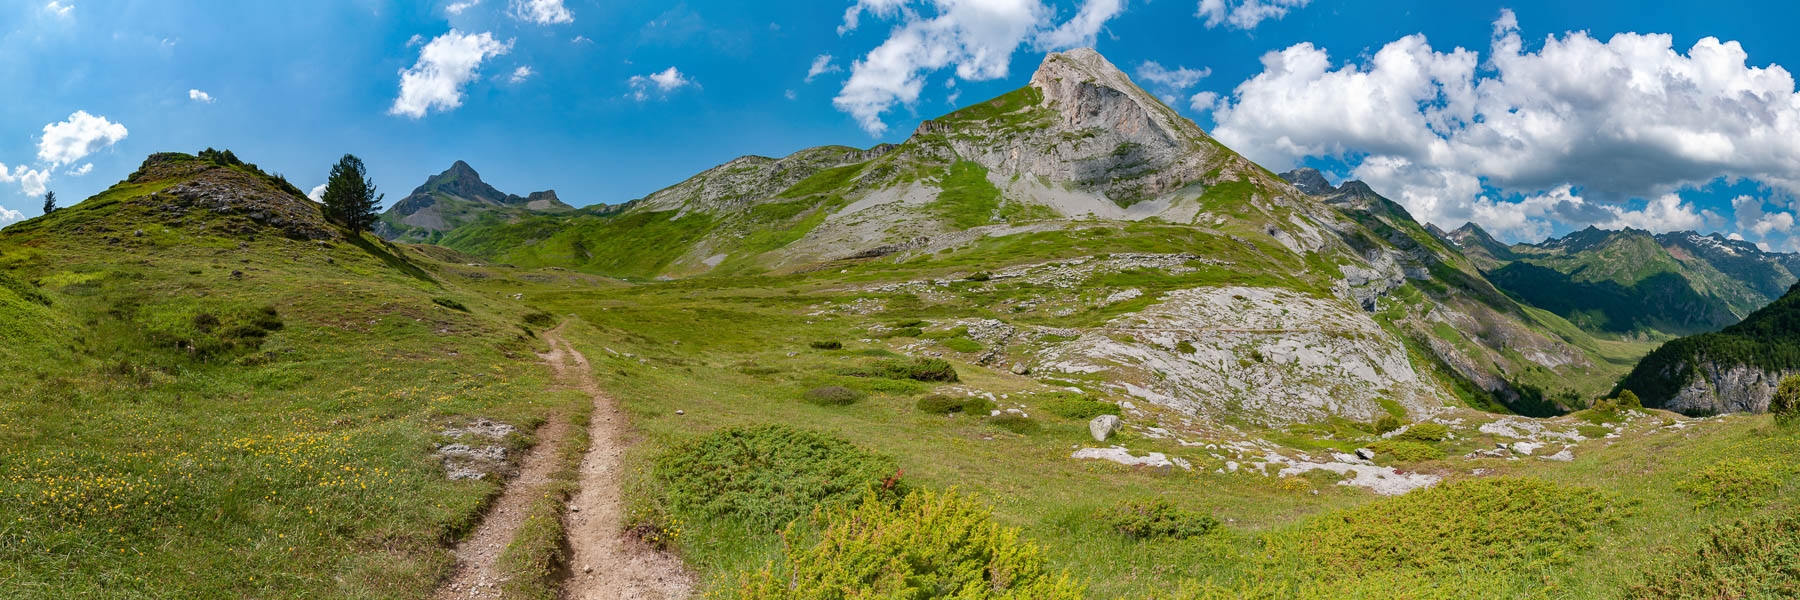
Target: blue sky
[1553, 116]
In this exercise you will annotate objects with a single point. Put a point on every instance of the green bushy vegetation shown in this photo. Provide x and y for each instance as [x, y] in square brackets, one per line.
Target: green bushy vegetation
[1157, 519]
[767, 475]
[1070, 405]
[827, 345]
[1387, 423]
[1746, 480]
[833, 395]
[916, 369]
[1424, 432]
[1751, 559]
[1014, 422]
[927, 545]
[1405, 451]
[967, 199]
[939, 404]
[1785, 404]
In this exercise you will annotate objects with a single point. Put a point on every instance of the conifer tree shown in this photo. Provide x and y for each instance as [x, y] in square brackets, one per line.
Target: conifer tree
[350, 198]
[49, 202]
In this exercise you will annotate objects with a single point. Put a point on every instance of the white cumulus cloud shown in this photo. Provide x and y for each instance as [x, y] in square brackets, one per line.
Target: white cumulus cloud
[8, 215]
[1176, 79]
[317, 194]
[1079, 31]
[445, 64]
[199, 96]
[84, 169]
[521, 74]
[82, 134]
[661, 83]
[1244, 14]
[542, 12]
[1625, 119]
[976, 37]
[457, 8]
[58, 8]
[33, 182]
[1752, 217]
[821, 65]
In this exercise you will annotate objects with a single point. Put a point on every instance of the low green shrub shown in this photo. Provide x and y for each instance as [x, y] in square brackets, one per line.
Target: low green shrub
[1425, 432]
[1502, 522]
[450, 303]
[1753, 558]
[1735, 482]
[1593, 431]
[540, 319]
[1157, 519]
[1628, 400]
[963, 344]
[907, 332]
[1388, 423]
[1014, 422]
[939, 404]
[1406, 451]
[1070, 405]
[833, 395]
[982, 276]
[916, 369]
[928, 545]
[768, 475]
[1785, 405]
[827, 345]
[1185, 347]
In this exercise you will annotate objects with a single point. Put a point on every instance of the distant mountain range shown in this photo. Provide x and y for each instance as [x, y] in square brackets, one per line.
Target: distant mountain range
[1635, 282]
[455, 198]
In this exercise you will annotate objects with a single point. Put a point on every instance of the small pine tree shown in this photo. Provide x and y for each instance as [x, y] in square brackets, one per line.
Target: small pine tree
[1629, 400]
[49, 202]
[350, 198]
[1786, 403]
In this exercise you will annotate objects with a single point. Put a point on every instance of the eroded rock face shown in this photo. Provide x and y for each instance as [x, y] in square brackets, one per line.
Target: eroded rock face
[1719, 389]
[1265, 355]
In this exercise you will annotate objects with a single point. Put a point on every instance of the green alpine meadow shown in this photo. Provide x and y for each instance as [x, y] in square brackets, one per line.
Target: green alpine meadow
[1059, 343]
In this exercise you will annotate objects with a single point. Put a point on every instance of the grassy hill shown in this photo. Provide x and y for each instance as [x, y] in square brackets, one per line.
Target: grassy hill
[210, 392]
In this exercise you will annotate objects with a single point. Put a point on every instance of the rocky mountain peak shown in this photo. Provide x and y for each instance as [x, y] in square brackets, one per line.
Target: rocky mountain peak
[1309, 180]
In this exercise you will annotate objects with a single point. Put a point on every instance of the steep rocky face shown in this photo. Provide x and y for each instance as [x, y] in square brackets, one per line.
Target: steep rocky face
[1734, 370]
[454, 198]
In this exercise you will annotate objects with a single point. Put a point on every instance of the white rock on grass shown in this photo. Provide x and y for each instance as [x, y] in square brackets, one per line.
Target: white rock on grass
[1122, 456]
[1565, 456]
[1526, 448]
[1382, 480]
[1103, 427]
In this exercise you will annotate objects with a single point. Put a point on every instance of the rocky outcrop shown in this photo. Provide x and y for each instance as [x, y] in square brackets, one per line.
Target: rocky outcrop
[1719, 389]
[1263, 355]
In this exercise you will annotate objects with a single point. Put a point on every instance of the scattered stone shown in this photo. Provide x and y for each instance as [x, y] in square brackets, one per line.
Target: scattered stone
[1365, 454]
[1122, 456]
[237, 275]
[1565, 456]
[679, 412]
[1104, 426]
[1526, 448]
[138, 233]
[1020, 369]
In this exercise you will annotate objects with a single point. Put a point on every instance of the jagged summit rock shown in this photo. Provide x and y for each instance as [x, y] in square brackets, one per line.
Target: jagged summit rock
[454, 198]
[1310, 180]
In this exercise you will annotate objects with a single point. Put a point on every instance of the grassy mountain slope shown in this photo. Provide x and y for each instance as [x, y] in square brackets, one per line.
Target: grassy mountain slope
[1044, 174]
[210, 392]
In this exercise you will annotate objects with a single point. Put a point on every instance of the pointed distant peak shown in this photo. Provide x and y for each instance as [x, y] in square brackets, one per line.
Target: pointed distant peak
[1081, 59]
[1470, 228]
[1309, 180]
[460, 168]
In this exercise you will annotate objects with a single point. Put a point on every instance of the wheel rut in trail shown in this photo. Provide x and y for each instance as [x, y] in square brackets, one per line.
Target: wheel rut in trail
[477, 573]
[604, 563]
